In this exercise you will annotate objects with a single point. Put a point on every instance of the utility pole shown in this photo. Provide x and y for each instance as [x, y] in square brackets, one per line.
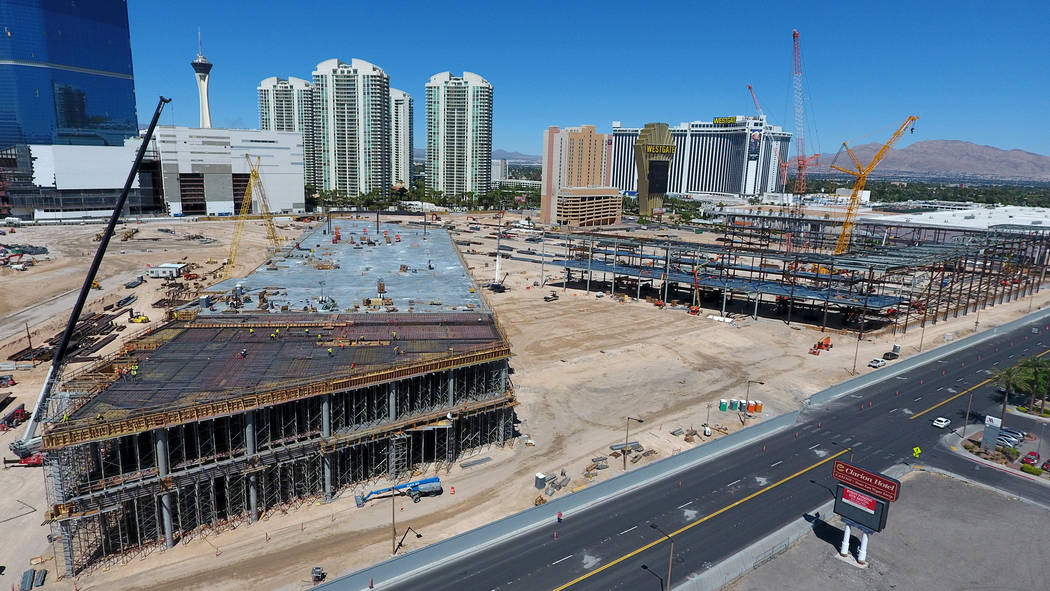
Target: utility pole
[30, 338]
[627, 438]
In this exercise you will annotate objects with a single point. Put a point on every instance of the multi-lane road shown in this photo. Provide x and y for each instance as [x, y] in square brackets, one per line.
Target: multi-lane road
[717, 508]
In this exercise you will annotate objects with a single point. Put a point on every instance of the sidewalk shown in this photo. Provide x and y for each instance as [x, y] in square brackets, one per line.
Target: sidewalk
[1012, 408]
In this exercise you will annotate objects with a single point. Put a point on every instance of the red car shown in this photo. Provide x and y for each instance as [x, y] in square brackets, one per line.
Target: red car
[1046, 466]
[1031, 458]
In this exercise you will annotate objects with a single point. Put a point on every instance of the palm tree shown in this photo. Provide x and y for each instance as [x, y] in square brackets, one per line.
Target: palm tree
[1032, 367]
[1008, 379]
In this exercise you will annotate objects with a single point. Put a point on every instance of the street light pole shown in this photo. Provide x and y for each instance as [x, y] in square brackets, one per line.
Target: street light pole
[627, 438]
[402, 542]
[670, 558]
[747, 396]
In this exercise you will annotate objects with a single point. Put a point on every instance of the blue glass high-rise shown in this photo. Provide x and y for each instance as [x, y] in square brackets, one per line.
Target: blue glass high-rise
[65, 73]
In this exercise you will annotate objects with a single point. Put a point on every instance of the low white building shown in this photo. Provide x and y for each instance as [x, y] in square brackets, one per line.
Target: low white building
[206, 171]
[166, 270]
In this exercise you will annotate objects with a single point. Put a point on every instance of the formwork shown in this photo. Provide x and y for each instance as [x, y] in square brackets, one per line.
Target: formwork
[231, 413]
[896, 277]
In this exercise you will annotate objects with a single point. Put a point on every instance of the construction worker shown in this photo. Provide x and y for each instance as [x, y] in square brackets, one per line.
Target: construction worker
[251, 331]
[277, 332]
[244, 353]
[65, 417]
[329, 351]
[134, 373]
[318, 337]
[273, 336]
[307, 330]
[98, 417]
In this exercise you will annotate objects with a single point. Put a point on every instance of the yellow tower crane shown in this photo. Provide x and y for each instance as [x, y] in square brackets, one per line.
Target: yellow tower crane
[254, 182]
[861, 173]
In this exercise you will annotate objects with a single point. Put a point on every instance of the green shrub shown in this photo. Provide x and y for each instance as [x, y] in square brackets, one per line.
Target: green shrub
[1033, 470]
[1022, 409]
[1009, 452]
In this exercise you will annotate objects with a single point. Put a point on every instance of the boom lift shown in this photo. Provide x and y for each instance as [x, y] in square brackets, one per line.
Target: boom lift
[861, 173]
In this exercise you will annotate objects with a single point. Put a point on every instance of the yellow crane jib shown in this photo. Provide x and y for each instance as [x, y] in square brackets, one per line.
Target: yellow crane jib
[254, 184]
[860, 172]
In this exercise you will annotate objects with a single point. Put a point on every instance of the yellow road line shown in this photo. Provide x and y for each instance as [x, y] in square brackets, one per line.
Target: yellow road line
[696, 523]
[963, 393]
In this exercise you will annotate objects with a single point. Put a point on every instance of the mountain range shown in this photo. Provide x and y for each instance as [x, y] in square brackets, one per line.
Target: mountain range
[946, 159]
[420, 155]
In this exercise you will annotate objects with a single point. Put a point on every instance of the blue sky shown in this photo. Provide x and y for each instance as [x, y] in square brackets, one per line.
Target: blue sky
[974, 71]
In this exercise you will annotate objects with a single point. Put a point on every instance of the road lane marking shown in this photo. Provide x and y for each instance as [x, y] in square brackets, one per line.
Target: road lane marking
[815, 445]
[734, 482]
[684, 505]
[776, 464]
[917, 399]
[966, 391]
[561, 560]
[698, 522]
[627, 530]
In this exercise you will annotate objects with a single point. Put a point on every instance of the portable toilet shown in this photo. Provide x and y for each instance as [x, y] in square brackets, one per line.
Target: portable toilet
[758, 406]
[750, 406]
[723, 404]
[733, 404]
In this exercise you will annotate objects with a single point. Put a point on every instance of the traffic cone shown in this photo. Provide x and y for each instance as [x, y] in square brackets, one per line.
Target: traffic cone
[370, 585]
[453, 491]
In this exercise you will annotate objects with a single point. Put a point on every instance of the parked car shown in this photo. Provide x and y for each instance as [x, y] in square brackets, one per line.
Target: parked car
[1011, 432]
[1006, 441]
[876, 363]
[1031, 458]
[1046, 465]
[1013, 441]
[941, 422]
[890, 355]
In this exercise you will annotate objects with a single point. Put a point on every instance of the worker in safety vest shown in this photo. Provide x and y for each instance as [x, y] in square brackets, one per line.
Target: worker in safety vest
[329, 351]
[251, 331]
[98, 417]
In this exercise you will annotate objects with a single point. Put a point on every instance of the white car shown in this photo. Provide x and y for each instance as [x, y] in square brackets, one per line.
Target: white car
[877, 363]
[941, 422]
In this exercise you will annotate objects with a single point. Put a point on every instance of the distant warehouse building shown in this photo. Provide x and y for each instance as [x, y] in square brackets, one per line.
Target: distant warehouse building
[588, 206]
[206, 171]
[733, 155]
[185, 171]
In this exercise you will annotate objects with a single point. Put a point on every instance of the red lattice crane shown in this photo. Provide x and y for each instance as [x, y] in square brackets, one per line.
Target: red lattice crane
[800, 123]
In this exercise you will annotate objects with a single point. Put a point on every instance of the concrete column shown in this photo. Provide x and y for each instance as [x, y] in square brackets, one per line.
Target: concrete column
[844, 548]
[392, 400]
[451, 387]
[862, 554]
[161, 441]
[249, 448]
[326, 432]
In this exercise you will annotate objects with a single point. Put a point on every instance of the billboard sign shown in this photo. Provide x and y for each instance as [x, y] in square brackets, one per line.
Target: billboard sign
[858, 500]
[990, 421]
[724, 120]
[862, 509]
[754, 144]
[874, 483]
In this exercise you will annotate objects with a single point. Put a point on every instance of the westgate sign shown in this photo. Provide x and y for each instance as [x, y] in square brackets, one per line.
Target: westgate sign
[874, 483]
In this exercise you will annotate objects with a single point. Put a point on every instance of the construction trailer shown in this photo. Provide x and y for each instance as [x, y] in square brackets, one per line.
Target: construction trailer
[895, 277]
[236, 413]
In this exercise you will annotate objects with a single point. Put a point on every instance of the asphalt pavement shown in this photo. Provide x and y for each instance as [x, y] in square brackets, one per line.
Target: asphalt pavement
[717, 508]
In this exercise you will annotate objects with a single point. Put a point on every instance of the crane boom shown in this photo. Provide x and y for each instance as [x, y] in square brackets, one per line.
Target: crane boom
[861, 174]
[800, 124]
[758, 107]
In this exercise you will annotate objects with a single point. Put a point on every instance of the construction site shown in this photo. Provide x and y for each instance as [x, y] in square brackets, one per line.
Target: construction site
[323, 369]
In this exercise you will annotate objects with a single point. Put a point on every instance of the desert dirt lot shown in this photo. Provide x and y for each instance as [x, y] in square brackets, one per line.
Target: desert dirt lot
[995, 541]
[581, 365]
